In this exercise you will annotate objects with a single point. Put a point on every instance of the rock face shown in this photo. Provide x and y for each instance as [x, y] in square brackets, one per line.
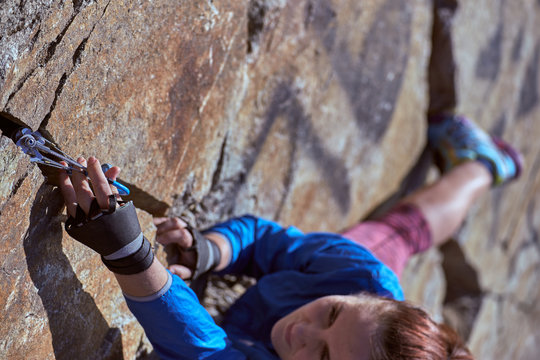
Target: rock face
[307, 112]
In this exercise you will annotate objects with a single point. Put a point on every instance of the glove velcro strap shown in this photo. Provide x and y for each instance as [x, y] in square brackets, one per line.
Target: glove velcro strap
[108, 233]
[208, 253]
[135, 263]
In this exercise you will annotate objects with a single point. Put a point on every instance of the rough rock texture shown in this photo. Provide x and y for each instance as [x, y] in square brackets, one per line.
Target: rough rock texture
[308, 112]
[212, 108]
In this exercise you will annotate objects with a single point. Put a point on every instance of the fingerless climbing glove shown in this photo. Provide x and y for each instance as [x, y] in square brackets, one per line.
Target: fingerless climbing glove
[208, 253]
[115, 234]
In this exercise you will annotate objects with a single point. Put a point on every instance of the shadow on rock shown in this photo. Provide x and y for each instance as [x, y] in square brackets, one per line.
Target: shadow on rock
[78, 328]
[414, 180]
[463, 292]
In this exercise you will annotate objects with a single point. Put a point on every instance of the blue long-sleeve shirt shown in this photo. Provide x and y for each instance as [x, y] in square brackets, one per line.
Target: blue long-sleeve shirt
[291, 268]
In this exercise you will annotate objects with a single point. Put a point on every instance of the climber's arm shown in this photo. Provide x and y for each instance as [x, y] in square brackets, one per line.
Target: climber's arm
[163, 304]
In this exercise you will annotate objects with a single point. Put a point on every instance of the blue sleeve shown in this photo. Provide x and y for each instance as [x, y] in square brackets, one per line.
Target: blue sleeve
[258, 246]
[179, 327]
[261, 247]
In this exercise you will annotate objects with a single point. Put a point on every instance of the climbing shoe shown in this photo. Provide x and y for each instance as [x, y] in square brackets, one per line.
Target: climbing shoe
[456, 140]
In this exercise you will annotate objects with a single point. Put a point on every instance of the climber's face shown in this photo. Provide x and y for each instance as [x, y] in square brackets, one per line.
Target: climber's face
[332, 327]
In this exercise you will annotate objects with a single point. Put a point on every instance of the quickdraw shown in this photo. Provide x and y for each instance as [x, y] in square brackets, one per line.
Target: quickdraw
[43, 151]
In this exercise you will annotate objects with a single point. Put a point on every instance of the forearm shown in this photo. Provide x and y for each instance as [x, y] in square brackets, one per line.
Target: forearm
[257, 246]
[145, 283]
[235, 238]
[174, 321]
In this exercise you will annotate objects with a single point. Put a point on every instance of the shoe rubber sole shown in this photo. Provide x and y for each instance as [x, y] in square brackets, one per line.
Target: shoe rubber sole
[514, 154]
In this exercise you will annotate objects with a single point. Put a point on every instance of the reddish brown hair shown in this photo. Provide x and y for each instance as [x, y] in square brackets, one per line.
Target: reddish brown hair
[406, 332]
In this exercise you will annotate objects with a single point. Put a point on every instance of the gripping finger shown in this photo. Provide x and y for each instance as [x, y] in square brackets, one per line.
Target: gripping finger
[169, 224]
[112, 174]
[68, 192]
[180, 270]
[82, 188]
[176, 236]
[100, 184]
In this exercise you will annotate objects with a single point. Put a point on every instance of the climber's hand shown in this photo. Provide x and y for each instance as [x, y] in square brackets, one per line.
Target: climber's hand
[98, 221]
[173, 231]
[77, 190]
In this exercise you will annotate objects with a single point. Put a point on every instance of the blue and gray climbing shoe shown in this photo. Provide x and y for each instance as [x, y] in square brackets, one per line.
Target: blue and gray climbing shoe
[456, 140]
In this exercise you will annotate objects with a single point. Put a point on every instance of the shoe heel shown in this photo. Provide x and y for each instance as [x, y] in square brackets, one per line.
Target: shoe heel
[514, 154]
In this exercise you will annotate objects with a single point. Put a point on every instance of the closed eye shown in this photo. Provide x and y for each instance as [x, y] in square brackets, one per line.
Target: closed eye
[333, 314]
[325, 355]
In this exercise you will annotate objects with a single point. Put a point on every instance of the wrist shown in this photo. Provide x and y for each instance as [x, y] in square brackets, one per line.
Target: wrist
[145, 283]
[224, 248]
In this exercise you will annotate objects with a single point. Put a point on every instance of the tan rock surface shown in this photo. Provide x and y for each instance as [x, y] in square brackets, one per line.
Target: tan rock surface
[212, 108]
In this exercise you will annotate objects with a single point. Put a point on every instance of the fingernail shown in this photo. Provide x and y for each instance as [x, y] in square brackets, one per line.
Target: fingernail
[91, 160]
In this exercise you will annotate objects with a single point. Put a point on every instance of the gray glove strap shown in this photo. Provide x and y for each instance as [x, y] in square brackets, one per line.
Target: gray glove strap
[135, 263]
[208, 253]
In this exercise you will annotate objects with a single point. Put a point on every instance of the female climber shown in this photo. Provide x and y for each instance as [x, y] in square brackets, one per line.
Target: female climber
[318, 295]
